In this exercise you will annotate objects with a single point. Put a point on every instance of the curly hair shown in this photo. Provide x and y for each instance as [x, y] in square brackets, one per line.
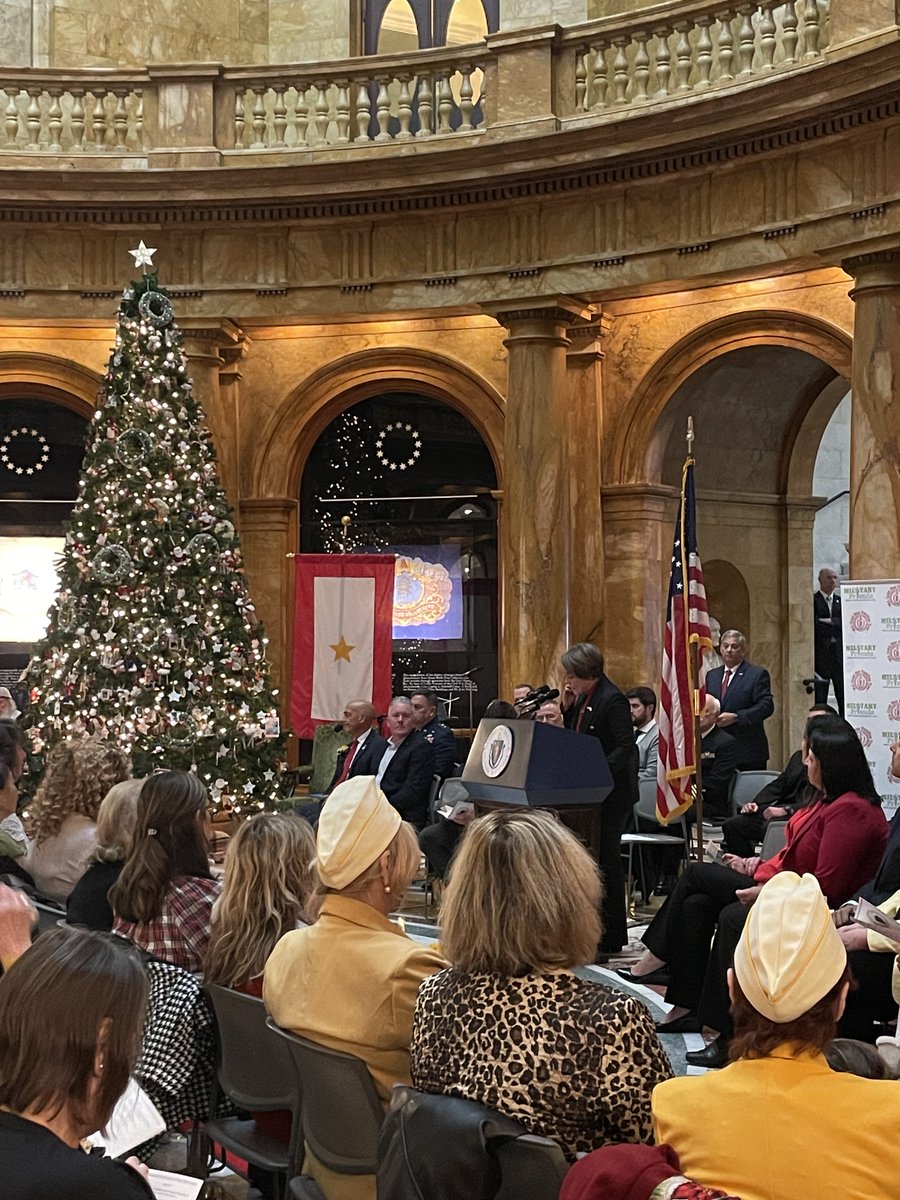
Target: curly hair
[269, 881]
[79, 774]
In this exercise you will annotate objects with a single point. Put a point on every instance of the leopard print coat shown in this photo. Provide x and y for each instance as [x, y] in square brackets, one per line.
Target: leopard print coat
[568, 1058]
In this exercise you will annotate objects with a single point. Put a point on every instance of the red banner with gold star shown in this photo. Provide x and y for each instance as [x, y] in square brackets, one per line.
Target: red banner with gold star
[343, 613]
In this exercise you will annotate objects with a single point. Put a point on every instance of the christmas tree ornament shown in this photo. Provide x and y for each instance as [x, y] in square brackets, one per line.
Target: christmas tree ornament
[143, 257]
[110, 563]
[133, 447]
[156, 308]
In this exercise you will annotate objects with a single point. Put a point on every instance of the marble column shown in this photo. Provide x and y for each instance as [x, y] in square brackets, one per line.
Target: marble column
[875, 427]
[269, 532]
[536, 530]
[205, 342]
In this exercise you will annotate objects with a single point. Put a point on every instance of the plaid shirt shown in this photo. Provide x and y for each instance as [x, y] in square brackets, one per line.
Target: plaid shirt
[180, 934]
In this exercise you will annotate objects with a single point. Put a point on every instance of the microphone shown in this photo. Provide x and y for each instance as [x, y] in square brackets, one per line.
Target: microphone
[339, 727]
[535, 699]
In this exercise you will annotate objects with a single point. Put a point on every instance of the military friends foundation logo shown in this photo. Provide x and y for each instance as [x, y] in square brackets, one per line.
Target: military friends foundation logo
[497, 751]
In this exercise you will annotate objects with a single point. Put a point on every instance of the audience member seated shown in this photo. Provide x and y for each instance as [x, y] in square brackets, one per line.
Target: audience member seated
[777, 801]
[646, 731]
[550, 713]
[8, 710]
[718, 760]
[359, 722]
[163, 898]
[501, 710]
[350, 980]
[438, 736]
[71, 1011]
[510, 1024]
[89, 904]
[63, 817]
[838, 839]
[13, 839]
[779, 1123]
[633, 1173]
[403, 765]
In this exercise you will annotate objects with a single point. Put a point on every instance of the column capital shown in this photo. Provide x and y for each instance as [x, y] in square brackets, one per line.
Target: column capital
[268, 512]
[875, 268]
[211, 338]
[543, 315]
[586, 340]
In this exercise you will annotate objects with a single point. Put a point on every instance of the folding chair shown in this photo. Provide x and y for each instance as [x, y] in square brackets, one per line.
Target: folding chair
[646, 808]
[747, 785]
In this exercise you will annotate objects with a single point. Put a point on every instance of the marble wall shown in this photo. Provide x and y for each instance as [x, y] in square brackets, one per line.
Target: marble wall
[831, 479]
[15, 33]
[525, 14]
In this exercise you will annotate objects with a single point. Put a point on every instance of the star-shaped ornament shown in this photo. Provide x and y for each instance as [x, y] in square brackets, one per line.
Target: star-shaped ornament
[269, 775]
[191, 620]
[143, 256]
[173, 695]
[249, 788]
[341, 650]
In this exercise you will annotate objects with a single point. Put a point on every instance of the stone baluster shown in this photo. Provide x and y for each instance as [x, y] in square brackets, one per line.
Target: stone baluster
[404, 108]
[581, 104]
[426, 107]
[139, 117]
[279, 114]
[239, 120]
[98, 119]
[789, 32]
[33, 118]
[301, 113]
[767, 36]
[55, 120]
[342, 111]
[683, 61]
[363, 111]
[725, 45]
[746, 40]
[445, 103]
[811, 29]
[641, 65]
[663, 61]
[12, 116]
[466, 92]
[482, 95]
[78, 118]
[620, 69]
[383, 109]
[323, 110]
[704, 51]
[259, 117]
[601, 77]
[120, 118]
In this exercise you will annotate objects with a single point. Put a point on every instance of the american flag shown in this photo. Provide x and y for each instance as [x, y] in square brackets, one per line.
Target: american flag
[683, 690]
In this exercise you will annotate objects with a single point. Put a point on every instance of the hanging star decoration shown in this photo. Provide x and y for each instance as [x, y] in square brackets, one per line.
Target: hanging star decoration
[398, 464]
[143, 255]
[341, 650]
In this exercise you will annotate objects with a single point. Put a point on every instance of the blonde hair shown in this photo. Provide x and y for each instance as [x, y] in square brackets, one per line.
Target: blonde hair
[523, 898]
[116, 819]
[79, 774]
[404, 860]
[268, 883]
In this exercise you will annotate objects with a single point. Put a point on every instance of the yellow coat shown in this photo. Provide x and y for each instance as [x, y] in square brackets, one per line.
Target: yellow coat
[784, 1128]
[350, 982]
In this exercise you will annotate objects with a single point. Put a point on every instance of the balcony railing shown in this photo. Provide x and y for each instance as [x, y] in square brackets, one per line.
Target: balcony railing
[454, 95]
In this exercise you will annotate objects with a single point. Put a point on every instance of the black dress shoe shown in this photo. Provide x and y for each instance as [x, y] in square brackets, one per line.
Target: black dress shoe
[688, 1023]
[713, 1055]
[660, 975]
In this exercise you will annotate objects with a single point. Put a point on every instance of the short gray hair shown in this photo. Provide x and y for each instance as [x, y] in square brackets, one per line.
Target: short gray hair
[399, 700]
[734, 633]
[583, 660]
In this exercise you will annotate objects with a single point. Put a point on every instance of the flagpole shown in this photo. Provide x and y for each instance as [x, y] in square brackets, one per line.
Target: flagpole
[695, 675]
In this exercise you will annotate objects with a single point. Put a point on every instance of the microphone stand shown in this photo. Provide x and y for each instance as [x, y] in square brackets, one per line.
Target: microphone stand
[465, 675]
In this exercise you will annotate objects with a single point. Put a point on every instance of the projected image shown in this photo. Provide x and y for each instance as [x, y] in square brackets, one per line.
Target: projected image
[28, 583]
[427, 593]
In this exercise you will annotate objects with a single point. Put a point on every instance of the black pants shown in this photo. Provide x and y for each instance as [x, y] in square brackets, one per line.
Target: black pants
[438, 843]
[681, 932]
[871, 1000]
[831, 672]
[611, 821]
[743, 833]
[714, 1006]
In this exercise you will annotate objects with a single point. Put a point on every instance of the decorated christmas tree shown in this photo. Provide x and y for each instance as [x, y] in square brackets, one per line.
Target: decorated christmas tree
[153, 639]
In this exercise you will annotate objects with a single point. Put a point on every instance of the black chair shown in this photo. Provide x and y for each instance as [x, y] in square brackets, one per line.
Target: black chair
[483, 1153]
[342, 1113]
[256, 1072]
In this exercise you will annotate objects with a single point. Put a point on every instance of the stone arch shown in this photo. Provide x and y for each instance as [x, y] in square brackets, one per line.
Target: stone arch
[307, 411]
[50, 378]
[728, 595]
[642, 435]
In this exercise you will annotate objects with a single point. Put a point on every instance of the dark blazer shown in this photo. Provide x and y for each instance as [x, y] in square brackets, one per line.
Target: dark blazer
[791, 790]
[827, 638]
[887, 878]
[749, 697]
[607, 717]
[407, 781]
[718, 764]
[444, 745]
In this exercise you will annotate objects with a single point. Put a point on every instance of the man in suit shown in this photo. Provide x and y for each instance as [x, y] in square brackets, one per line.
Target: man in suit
[425, 706]
[403, 764]
[646, 730]
[358, 725]
[745, 694]
[718, 762]
[827, 638]
[777, 801]
[595, 706]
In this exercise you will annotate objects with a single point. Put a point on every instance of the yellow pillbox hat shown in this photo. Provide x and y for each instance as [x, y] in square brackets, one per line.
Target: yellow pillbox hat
[790, 954]
[356, 825]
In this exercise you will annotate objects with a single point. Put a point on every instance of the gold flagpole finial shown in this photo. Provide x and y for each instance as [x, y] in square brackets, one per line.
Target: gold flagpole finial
[345, 521]
[690, 437]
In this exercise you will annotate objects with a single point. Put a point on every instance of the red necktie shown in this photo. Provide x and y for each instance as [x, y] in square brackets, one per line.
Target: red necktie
[348, 759]
[726, 679]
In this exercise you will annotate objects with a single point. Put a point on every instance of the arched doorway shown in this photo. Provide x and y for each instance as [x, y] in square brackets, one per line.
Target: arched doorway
[415, 477]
